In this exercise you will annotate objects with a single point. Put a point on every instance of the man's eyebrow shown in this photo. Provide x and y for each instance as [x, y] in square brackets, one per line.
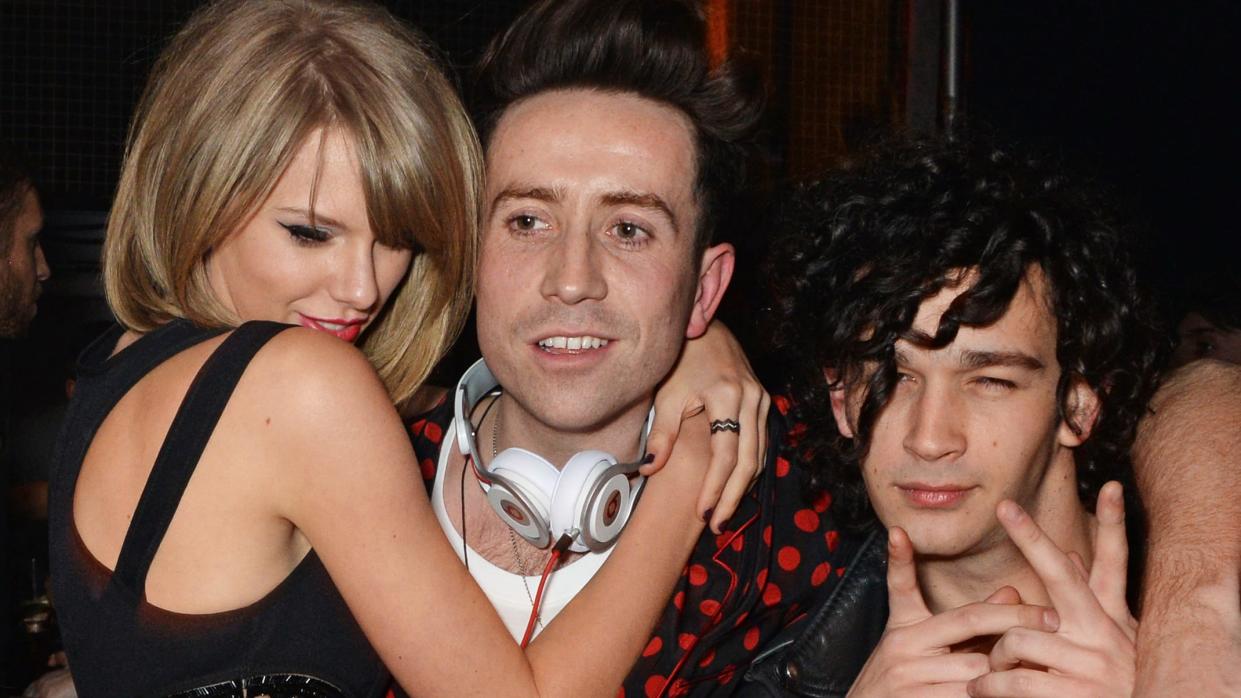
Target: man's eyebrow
[313, 216]
[641, 200]
[972, 359]
[544, 194]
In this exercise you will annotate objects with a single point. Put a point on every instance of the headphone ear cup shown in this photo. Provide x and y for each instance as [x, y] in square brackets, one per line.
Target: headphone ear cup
[521, 493]
[592, 498]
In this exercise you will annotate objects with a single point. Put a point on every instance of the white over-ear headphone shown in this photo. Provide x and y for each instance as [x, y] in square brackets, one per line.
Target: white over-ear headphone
[590, 499]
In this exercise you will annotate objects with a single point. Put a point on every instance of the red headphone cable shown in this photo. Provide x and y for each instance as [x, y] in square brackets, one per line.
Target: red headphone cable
[561, 545]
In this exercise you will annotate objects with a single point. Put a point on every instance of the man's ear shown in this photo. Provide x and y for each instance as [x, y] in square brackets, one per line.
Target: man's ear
[1081, 412]
[716, 270]
[840, 408]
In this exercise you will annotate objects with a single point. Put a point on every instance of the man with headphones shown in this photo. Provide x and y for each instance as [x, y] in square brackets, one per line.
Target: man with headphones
[610, 162]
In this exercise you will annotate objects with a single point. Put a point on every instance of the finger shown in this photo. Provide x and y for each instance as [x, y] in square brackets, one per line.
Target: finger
[1005, 595]
[1024, 683]
[1079, 564]
[749, 458]
[957, 667]
[1044, 649]
[1109, 574]
[764, 407]
[1069, 592]
[905, 602]
[982, 619]
[722, 404]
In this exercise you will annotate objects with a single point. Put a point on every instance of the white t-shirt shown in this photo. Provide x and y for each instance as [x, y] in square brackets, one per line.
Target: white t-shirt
[511, 593]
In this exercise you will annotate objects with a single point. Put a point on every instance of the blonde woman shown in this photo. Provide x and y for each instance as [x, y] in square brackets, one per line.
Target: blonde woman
[237, 511]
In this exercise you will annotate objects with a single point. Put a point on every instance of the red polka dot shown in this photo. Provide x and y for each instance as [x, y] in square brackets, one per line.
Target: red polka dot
[434, 432]
[820, 574]
[789, 558]
[687, 640]
[796, 432]
[781, 403]
[782, 467]
[840, 571]
[654, 685]
[709, 607]
[767, 536]
[741, 619]
[707, 659]
[679, 600]
[680, 687]
[727, 674]
[822, 502]
[427, 466]
[738, 543]
[762, 578]
[833, 540]
[697, 575]
[772, 595]
[620, 692]
[806, 520]
[653, 647]
[416, 427]
[723, 540]
[751, 639]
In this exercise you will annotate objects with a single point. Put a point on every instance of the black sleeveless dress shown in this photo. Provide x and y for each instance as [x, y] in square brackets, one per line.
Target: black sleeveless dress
[299, 640]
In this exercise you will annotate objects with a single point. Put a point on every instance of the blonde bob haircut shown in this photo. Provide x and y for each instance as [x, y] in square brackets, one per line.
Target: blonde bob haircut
[232, 98]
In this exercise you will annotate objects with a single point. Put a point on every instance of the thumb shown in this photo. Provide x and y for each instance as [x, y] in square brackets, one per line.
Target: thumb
[664, 432]
[904, 597]
[1005, 595]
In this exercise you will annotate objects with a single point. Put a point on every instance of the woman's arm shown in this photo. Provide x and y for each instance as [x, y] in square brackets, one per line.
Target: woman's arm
[1187, 459]
[355, 494]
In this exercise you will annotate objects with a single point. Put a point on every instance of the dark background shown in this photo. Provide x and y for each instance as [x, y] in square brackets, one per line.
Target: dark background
[1142, 94]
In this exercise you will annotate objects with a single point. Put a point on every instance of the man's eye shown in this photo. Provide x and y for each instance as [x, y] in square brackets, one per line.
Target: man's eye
[1204, 348]
[630, 233]
[995, 383]
[306, 234]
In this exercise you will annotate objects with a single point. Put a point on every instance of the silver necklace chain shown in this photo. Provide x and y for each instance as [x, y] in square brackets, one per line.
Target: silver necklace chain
[512, 537]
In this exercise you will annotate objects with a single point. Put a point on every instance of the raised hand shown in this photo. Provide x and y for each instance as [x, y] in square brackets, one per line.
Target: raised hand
[1092, 652]
[714, 374]
[914, 657]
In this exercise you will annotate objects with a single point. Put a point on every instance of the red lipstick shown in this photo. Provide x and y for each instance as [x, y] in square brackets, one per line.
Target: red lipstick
[347, 330]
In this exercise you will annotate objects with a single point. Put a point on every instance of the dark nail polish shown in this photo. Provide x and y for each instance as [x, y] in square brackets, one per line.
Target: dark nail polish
[650, 458]
[706, 515]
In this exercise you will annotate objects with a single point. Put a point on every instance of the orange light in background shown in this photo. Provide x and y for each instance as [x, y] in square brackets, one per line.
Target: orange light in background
[717, 31]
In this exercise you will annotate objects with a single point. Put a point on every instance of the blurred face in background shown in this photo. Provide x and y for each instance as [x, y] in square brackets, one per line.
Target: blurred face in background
[23, 269]
[1199, 338]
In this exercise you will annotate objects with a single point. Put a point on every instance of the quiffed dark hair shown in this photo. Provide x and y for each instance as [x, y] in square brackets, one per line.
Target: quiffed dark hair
[652, 48]
[15, 181]
[861, 249]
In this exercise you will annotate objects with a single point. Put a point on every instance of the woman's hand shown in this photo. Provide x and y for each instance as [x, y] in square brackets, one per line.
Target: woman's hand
[714, 374]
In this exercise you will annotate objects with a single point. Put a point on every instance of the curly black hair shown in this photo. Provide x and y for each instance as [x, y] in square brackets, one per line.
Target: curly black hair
[858, 251]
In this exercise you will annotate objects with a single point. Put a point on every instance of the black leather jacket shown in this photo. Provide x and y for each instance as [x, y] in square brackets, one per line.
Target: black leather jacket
[822, 658]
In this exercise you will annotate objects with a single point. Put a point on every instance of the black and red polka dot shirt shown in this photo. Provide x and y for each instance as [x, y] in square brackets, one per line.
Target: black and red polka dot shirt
[780, 551]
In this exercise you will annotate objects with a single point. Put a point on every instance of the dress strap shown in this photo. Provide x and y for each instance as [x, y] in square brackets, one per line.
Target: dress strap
[191, 428]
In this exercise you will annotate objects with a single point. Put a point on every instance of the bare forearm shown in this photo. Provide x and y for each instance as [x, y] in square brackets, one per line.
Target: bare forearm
[612, 618]
[1187, 460]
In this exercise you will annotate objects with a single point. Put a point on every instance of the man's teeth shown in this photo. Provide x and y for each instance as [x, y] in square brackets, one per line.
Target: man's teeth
[583, 342]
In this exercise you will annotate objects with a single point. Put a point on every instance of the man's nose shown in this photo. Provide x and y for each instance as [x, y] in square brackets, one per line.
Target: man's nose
[573, 272]
[934, 428]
